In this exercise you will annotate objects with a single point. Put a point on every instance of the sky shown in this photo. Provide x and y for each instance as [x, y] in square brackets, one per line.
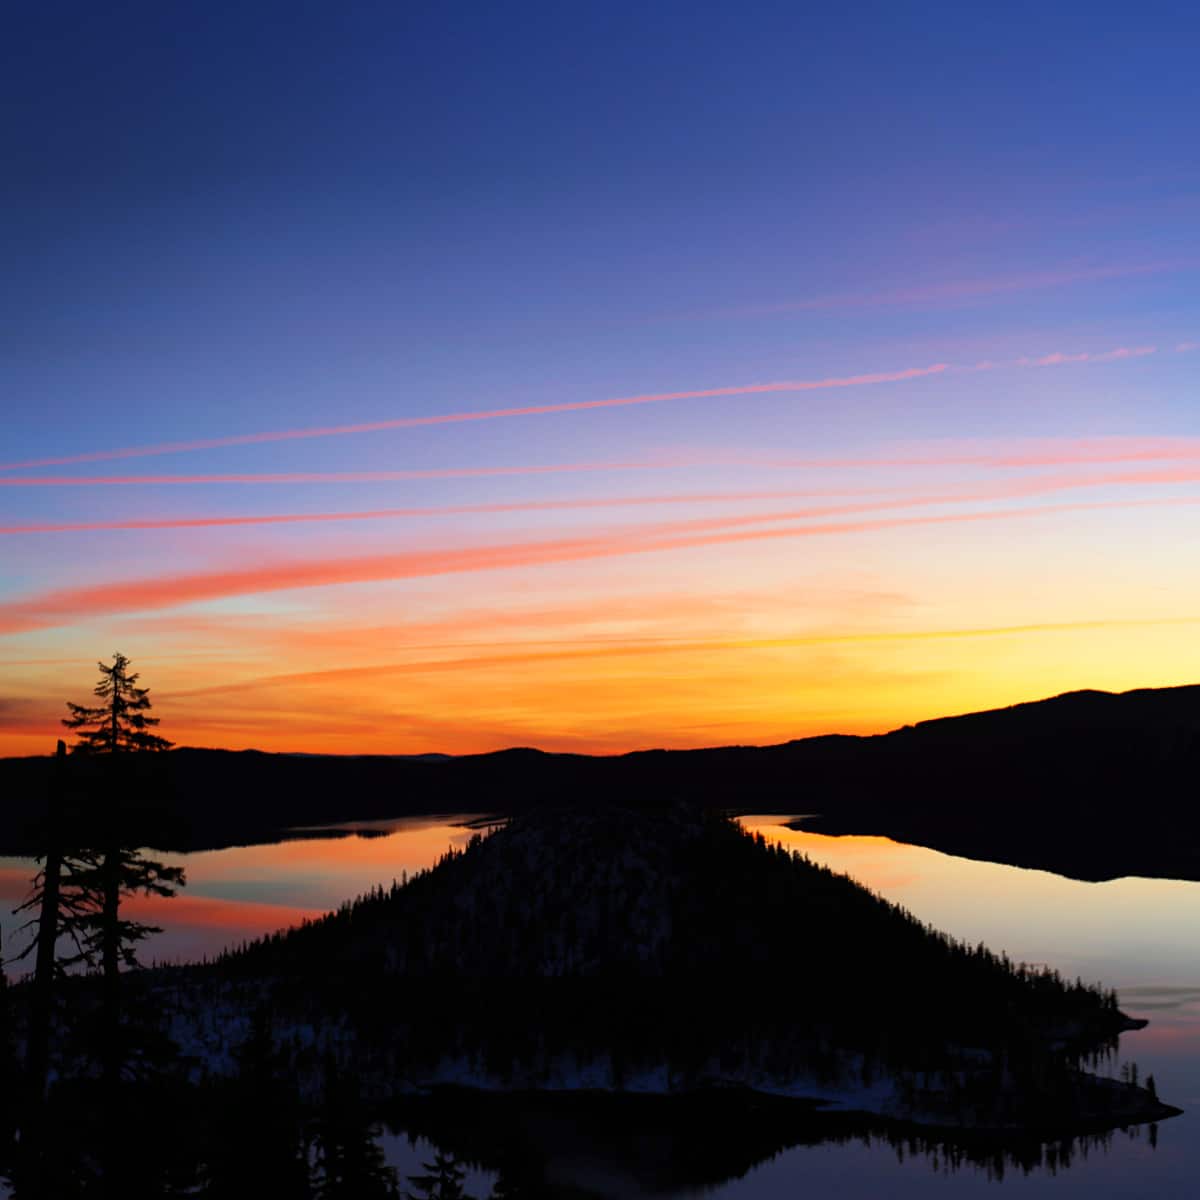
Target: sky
[405, 378]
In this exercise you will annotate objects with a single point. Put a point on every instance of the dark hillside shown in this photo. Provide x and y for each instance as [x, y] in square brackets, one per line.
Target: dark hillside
[663, 950]
[1090, 784]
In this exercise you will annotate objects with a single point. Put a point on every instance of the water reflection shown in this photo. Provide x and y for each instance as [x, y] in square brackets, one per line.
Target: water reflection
[243, 892]
[1139, 935]
[727, 1146]
[1126, 932]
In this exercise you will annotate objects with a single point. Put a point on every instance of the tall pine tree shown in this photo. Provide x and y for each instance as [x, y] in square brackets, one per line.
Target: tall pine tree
[118, 730]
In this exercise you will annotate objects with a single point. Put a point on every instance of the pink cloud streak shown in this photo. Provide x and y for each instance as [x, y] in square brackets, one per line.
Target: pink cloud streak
[448, 510]
[63, 606]
[245, 439]
[1057, 358]
[1038, 485]
[1097, 451]
[334, 476]
[1040, 454]
[959, 289]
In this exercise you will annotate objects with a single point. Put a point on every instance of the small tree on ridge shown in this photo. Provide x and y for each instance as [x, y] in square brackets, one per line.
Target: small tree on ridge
[119, 723]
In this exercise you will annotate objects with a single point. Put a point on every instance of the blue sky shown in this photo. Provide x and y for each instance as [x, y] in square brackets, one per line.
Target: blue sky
[222, 220]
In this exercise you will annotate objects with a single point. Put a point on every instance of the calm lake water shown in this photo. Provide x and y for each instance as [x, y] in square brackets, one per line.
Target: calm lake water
[1141, 936]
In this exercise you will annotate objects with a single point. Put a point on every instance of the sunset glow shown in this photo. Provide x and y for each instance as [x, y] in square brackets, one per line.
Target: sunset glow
[850, 594]
[732, 404]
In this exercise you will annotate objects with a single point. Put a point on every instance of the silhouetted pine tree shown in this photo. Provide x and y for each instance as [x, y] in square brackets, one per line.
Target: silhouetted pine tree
[256, 1145]
[119, 723]
[117, 728]
[443, 1180]
[60, 899]
[8, 1075]
[348, 1163]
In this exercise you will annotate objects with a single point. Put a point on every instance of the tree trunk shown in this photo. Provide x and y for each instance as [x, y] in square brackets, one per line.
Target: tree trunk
[110, 949]
[112, 1053]
[41, 1004]
[42, 998]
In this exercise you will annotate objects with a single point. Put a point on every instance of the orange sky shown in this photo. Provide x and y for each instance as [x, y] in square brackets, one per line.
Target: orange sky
[652, 380]
[751, 620]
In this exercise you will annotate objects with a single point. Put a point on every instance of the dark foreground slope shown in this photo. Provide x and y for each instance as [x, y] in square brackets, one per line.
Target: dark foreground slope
[1089, 784]
[664, 951]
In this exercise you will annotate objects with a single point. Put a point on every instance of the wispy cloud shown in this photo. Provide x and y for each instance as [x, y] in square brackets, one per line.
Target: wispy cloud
[1054, 452]
[654, 646]
[1058, 358]
[67, 605]
[294, 477]
[431, 511]
[625, 617]
[954, 291]
[864, 379]
[493, 414]
[882, 498]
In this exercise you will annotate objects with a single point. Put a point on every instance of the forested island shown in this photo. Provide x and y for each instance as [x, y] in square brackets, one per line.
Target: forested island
[663, 955]
[665, 951]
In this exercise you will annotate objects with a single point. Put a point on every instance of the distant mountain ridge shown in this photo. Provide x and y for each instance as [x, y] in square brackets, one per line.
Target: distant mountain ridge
[1089, 783]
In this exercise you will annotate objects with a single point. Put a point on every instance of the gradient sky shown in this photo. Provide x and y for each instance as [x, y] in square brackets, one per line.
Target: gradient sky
[595, 376]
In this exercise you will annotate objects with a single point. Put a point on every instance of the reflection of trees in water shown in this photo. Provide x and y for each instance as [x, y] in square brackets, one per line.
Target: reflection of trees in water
[236, 1138]
[395, 984]
[549, 1145]
[250, 1137]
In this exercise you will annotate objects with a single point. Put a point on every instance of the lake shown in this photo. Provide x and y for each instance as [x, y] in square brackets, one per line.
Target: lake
[1141, 936]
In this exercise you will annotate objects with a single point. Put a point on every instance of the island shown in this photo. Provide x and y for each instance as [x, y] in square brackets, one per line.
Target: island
[667, 952]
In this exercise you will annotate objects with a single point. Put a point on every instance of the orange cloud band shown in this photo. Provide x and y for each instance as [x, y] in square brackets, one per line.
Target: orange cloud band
[654, 646]
[67, 605]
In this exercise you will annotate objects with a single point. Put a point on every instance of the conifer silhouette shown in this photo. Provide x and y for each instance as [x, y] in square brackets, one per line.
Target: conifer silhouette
[59, 899]
[257, 1146]
[119, 723]
[117, 729]
[8, 1073]
[348, 1163]
[443, 1180]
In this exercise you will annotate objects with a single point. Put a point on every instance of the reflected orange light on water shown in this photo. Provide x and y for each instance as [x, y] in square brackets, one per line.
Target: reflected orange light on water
[246, 892]
[239, 918]
[1123, 931]
[1138, 933]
